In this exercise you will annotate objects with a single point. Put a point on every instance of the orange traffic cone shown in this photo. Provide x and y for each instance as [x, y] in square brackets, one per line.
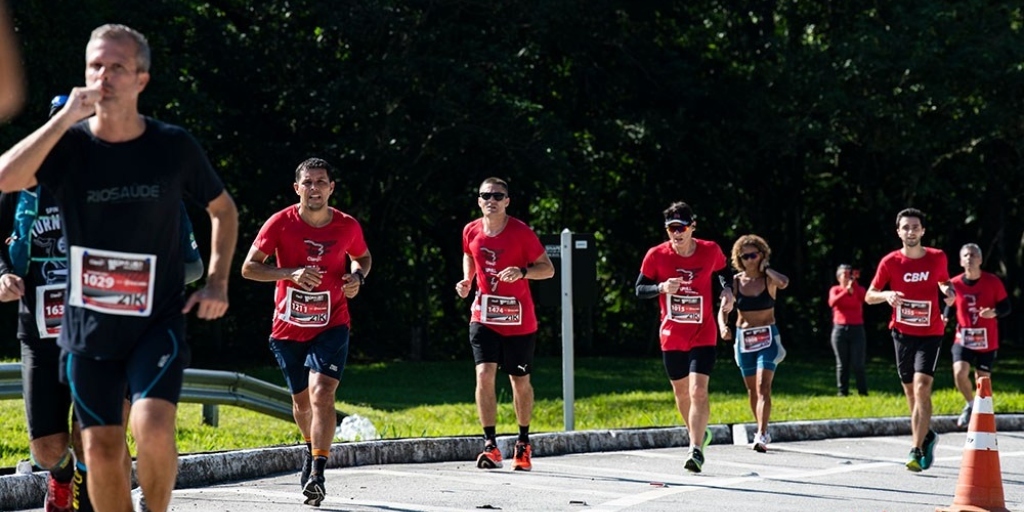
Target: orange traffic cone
[980, 488]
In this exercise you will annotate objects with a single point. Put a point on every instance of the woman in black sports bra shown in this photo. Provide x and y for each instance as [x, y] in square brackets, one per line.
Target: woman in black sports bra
[758, 348]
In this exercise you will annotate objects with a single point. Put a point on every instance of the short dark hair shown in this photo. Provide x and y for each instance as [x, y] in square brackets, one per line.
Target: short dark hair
[497, 181]
[678, 210]
[910, 212]
[313, 163]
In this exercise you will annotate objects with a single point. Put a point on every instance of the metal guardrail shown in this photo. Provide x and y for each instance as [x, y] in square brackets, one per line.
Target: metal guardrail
[208, 387]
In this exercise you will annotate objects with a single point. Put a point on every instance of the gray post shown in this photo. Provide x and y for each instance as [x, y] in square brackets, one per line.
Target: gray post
[211, 415]
[568, 390]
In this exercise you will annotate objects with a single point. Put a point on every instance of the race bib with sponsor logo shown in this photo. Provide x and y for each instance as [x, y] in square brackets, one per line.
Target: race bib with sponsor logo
[753, 339]
[685, 309]
[49, 309]
[307, 309]
[498, 310]
[111, 282]
[974, 338]
[917, 313]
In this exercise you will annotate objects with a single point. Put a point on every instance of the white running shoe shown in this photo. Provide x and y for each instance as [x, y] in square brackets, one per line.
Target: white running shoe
[761, 442]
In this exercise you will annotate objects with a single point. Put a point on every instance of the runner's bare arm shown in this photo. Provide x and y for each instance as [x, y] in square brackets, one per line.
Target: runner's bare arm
[541, 268]
[213, 297]
[354, 279]
[464, 286]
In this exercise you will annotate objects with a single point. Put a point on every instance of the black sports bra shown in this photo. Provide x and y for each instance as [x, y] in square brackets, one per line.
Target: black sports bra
[762, 301]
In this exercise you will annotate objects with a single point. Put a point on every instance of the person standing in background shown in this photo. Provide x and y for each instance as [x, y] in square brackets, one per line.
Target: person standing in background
[849, 342]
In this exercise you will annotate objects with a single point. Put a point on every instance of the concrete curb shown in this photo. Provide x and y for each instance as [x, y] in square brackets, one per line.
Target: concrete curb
[27, 491]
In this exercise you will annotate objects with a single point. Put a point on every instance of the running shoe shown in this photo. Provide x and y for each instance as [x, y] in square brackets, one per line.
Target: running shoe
[694, 460]
[965, 416]
[928, 451]
[58, 496]
[490, 458]
[521, 457]
[761, 442]
[914, 460]
[307, 466]
[707, 439]
[314, 490]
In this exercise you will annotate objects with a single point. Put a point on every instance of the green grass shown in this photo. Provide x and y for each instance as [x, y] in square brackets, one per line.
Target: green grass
[416, 399]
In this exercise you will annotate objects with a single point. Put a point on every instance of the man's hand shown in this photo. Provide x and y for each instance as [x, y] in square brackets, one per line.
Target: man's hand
[894, 298]
[671, 285]
[81, 102]
[12, 287]
[306, 277]
[463, 287]
[212, 300]
[351, 286]
[983, 312]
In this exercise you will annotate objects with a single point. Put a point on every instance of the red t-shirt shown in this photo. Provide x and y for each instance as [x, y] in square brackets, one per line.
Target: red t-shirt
[509, 308]
[300, 315]
[973, 331]
[919, 280]
[688, 317]
[847, 307]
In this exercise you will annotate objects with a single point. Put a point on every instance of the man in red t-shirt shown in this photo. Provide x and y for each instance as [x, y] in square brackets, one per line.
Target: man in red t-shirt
[500, 253]
[912, 274]
[312, 244]
[980, 299]
[849, 342]
[679, 273]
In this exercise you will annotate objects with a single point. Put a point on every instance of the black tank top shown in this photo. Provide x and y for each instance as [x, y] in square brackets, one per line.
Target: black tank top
[761, 301]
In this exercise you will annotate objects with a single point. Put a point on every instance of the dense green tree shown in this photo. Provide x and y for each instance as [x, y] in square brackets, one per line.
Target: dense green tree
[810, 123]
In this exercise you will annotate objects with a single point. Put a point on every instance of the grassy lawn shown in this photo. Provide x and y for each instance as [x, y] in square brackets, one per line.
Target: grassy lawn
[416, 399]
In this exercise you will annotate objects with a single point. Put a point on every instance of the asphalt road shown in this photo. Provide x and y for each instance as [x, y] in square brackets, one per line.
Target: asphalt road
[848, 474]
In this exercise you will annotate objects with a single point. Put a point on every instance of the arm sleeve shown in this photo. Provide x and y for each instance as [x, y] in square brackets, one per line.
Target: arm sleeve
[646, 288]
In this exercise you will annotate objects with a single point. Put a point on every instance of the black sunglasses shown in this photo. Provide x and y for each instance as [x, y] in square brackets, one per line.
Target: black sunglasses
[486, 196]
[749, 255]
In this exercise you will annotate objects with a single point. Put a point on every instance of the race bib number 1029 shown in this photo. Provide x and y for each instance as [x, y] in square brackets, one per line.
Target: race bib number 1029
[116, 283]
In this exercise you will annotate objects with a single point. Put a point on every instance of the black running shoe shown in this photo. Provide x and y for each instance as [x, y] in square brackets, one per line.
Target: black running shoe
[695, 461]
[314, 490]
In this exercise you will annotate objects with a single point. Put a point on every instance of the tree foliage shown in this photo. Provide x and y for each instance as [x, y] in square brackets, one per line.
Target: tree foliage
[810, 123]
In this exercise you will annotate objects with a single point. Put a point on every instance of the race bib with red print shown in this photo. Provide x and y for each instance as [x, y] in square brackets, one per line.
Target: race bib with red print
[111, 282]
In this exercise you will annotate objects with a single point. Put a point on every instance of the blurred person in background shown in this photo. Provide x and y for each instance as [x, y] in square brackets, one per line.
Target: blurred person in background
[849, 341]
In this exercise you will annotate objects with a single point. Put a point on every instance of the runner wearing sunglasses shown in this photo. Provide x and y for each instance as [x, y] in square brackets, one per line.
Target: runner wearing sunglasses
[680, 273]
[758, 348]
[500, 253]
